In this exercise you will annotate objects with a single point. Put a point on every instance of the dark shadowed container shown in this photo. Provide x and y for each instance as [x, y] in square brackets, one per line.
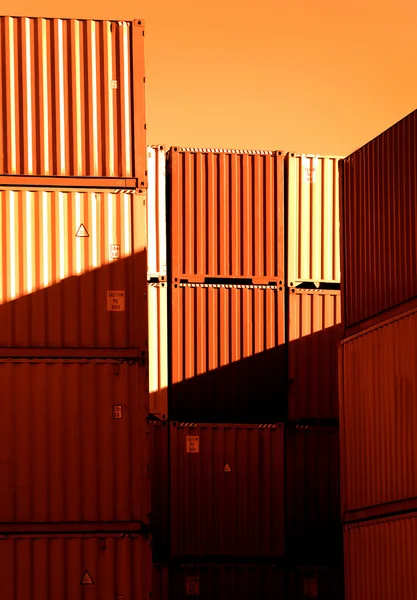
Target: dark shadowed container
[378, 215]
[160, 581]
[72, 98]
[160, 507]
[158, 349]
[73, 443]
[226, 213]
[313, 527]
[314, 330]
[227, 492]
[106, 567]
[312, 582]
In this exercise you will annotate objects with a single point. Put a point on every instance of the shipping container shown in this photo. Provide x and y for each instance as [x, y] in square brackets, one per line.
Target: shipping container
[378, 213]
[158, 349]
[73, 269]
[73, 442]
[321, 583]
[312, 199]
[313, 526]
[314, 331]
[160, 508]
[73, 98]
[380, 559]
[226, 214]
[227, 490]
[378, 399]
[227, 353]
[156, 213]
[75, 566]
[160, 582]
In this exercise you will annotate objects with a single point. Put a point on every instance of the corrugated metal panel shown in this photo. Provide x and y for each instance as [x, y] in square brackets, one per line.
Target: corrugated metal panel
[62, 253]
[160, 582]
[73, 97]
[159, 445]
[313, 218]
[313, 334]
[380, 559]
[55, 567]
[326, 584]
[378, 192]
[379, 417]
[73, 442]
[227, 352]
[313, 529]
[156, 212]
[228, 582]
[158, 349]
[227, 490]
[227, 213]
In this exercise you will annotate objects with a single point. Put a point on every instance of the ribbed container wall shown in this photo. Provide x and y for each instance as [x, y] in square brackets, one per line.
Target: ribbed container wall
[227, 351]
[73, 442]
[378, 191]
[156, 213]
[158, 349]
[227, 490]
[313, 219]
[227, 214]
[75, 566]
[380, 559]
[325, 584]
[160, 504]
[73, 98]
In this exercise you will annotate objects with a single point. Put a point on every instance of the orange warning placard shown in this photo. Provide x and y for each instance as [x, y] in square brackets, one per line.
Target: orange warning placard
[116, 300]
[192, 586]
[193, 443]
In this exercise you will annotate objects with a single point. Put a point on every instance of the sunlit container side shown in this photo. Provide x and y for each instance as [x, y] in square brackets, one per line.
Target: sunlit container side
[73, 269]
[380, 559]
[156, 213]
[378, 402]
[160, 508]
[312, 198]
[314, 330]
[227, 353]
[158, 349]
[323, 583]
[227, 490]
[313, 528]
[378, 192]
[72, 98]
[73, 442]
[226, 213]
[75, 566]
[227, 582]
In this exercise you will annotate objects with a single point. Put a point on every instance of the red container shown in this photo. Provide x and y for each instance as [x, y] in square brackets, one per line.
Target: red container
[313, 527]
[378, 214]
[314, 331]
[378, 395]
[227, 352]
[321, 583]
[73, 98]
[73, 444]
[380, 559]
[227, 214]
[227, 492]
[75, 566]
[160, 508]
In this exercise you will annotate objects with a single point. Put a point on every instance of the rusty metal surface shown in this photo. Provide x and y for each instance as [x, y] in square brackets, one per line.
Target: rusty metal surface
[63, 255]
[227, 213]
[313, 529]
[76, 567]
[313, 218]
[378, 395]
[380, 559]
[313, 333]
[326, 584]
[156, 212]
[378, 191]
[73, 97]
[227, 490]
[158, 349]
[73, 442]
[227, 351]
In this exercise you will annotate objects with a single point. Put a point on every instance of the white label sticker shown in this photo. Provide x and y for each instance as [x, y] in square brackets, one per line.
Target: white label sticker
[116, 300]
[114, 251]
[192, 586]
[193, 443]
[117, 411]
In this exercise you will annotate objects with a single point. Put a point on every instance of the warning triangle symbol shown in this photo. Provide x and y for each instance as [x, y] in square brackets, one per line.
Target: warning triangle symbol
[87, 579]
[82, 231]
[227, 468]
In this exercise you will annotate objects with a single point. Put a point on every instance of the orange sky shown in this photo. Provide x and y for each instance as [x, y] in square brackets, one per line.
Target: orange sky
[321, 76]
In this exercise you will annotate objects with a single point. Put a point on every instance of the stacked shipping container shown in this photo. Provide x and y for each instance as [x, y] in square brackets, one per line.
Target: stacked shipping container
[74, 499]
[377, 365]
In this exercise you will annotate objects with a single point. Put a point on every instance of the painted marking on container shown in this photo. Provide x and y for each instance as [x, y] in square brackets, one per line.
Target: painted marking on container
[114, 84]
[117, 411]
[87, 579]
[192, 586]
[82, 231]
[310, 588]
[114, 251]
[116, 300]
[227, 468]
[193, 443]
[310, 169]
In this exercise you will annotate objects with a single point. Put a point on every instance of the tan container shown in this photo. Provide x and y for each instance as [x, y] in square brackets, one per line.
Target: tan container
[158, 349]
[156, 213]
